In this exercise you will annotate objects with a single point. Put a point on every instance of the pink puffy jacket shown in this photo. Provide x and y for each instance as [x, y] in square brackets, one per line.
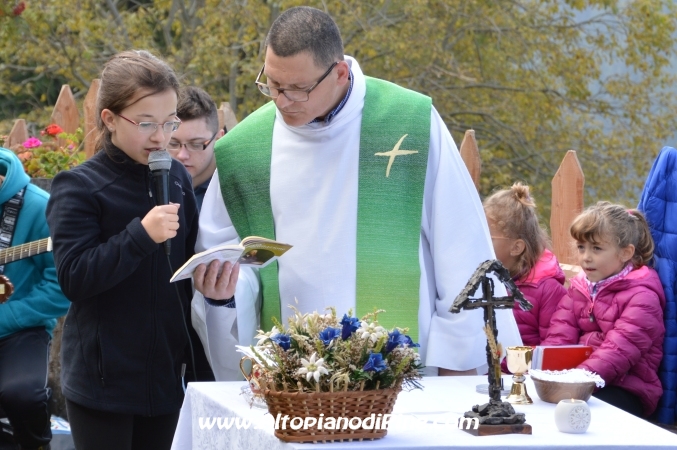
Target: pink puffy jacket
[626, 334]
[543, 287]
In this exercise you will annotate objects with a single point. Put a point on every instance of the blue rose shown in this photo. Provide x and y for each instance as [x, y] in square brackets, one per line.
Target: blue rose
[283, 340]
[350, 325]
[397, 339]
[329, 334]
[374, 363]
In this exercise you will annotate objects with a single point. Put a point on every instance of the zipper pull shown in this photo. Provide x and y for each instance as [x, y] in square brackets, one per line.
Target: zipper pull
[592, 318]
[150, 193]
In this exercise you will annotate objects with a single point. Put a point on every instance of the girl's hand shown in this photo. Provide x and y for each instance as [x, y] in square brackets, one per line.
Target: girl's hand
[593, 339]
[216, 281]
[162, 222]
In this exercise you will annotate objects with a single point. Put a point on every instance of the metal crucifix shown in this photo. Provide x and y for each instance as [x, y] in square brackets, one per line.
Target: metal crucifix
[490, 303]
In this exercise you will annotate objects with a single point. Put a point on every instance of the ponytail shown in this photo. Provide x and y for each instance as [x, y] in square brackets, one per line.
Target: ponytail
[645, 246]
[513, 211]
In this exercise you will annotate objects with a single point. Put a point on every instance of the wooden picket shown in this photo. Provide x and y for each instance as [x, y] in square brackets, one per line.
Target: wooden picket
[471, 156]
[18, 135]
[89, 110]
[567, 203]
[66, 113]
[226, 116]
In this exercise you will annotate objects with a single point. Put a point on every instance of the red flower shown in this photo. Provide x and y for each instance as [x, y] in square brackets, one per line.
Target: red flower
[52, 130]
[18, 9]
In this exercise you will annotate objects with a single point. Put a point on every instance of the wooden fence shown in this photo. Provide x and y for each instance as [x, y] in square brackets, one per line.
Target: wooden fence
[566, 204]
[67, 116]
[567, 184]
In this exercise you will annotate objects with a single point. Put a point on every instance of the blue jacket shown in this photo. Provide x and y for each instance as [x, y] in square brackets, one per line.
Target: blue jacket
[37, 299]
[659, 204]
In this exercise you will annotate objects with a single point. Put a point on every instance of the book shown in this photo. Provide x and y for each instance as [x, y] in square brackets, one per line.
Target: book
[562, 357]
[252, 251]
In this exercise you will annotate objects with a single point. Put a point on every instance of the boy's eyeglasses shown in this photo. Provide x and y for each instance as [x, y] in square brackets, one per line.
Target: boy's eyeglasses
[191, 146]
[150, 127]
[295, 95]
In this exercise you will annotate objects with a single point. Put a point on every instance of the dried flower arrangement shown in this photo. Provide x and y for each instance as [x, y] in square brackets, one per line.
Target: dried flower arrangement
[320, 353]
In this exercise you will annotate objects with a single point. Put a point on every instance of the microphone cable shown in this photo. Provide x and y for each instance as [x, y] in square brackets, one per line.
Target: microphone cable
[160, 162]
[185, 328]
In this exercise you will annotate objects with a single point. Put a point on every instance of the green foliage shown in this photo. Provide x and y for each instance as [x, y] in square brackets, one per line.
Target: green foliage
[534, 78]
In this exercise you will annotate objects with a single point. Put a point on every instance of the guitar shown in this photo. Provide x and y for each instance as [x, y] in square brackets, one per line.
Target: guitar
[16, 253]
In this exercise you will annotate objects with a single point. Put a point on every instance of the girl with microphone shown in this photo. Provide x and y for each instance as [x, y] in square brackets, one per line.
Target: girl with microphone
[125, 334]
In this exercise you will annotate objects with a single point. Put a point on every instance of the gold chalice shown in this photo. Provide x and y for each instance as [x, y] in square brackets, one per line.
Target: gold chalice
[255, 380]
[519, 362]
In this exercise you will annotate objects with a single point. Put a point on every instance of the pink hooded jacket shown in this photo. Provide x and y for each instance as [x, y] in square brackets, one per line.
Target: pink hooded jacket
[543, 287]
[626, 334]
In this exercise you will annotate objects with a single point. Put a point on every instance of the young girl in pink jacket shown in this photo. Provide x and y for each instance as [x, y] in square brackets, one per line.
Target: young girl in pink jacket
[616, 306]
[522, 247]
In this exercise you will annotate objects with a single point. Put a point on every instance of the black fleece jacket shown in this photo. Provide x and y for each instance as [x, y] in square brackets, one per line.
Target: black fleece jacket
[123, 339]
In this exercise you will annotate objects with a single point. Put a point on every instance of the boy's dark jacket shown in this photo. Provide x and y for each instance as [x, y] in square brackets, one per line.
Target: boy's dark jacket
[124, 339]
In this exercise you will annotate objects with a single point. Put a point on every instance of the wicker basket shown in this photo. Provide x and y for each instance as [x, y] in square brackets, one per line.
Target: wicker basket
[343, 404]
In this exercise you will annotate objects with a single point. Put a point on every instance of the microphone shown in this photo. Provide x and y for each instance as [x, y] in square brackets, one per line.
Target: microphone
[159, 163]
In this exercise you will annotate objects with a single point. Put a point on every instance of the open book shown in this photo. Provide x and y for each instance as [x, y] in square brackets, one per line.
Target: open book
[253, 250]
[550, 357]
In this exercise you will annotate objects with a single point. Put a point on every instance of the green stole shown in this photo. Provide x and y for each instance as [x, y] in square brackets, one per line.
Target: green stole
[389, 207]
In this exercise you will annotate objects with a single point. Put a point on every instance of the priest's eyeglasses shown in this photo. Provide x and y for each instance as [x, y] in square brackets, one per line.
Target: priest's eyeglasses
[295, 95]
[175, 146]
[150, 127]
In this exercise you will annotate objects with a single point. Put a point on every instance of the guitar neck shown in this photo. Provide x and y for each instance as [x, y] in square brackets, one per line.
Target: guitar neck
[26, 250]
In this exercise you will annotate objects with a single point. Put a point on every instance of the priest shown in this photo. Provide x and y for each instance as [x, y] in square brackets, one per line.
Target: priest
[364, 180]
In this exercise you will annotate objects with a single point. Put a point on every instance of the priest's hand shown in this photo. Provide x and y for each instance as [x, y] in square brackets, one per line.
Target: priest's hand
[216, 281]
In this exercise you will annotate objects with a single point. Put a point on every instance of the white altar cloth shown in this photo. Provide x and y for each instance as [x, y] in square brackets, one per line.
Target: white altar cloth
[442, 400]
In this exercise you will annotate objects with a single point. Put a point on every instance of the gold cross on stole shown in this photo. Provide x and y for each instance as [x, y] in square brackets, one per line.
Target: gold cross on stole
[395, 152]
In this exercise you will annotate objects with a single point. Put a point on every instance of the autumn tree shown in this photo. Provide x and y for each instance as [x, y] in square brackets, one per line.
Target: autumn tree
[534, 78]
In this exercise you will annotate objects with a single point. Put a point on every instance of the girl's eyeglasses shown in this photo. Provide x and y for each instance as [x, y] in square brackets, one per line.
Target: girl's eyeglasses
[150, 127]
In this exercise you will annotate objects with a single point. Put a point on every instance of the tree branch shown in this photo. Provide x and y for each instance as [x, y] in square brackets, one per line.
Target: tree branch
[120, 23]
